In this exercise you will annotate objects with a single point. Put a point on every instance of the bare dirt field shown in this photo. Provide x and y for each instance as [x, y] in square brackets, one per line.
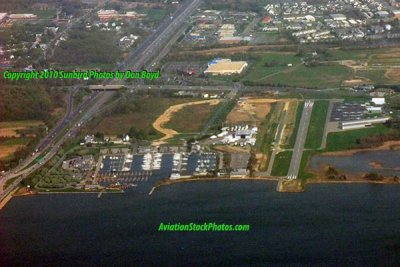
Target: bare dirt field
[232, 149]
[5, 151]
[250, 109]
[10, 128]
[393, 74]
[167, 115]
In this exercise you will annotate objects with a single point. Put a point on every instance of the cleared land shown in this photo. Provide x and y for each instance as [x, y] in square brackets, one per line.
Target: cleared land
[250, 110]
[317, 124]
[167, 115]
[9, 146]
[191, 118]
[141, 117]
[11, 128]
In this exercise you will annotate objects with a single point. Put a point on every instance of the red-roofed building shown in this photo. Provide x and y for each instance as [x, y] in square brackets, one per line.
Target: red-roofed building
[266, 20]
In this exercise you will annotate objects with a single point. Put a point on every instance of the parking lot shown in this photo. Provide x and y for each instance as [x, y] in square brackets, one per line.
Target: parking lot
[347, 111]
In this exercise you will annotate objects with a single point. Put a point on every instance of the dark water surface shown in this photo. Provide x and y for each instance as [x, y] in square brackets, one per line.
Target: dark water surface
[333, 225]
[359, 162]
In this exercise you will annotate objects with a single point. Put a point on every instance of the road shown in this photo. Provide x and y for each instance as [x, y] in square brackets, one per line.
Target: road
[88, 109]
[300, 140]
[156, 41]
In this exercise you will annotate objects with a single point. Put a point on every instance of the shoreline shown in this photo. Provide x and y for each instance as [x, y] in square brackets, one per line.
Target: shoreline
[168, 182]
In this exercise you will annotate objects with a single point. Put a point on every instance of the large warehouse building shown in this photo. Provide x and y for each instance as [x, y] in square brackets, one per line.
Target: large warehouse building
[225, 67]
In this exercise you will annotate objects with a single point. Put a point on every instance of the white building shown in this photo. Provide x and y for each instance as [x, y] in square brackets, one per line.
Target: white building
[379, 101]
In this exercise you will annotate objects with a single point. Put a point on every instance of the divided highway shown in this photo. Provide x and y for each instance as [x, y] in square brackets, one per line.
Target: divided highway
[144, 53]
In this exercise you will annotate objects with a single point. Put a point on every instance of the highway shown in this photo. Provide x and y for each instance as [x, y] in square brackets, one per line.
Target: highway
[300, 140]
[88, 109]
[155, 42]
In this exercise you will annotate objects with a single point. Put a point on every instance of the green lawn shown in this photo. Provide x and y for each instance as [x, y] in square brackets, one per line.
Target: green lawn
[317, 124]
[153, 14]
[325, 76]
[272, 68]
[292, 139]
[266, 135]
[141, 116]
[281, 163]
[348, 139]
[270, 63]
[303, 174]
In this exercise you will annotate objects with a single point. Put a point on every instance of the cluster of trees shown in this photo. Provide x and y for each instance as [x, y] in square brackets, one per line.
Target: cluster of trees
[333, 174]
[373, 176]
[93, 47]
[128, 105]
[28, 102]
[54, 179]
[378, 140]
[137, 134]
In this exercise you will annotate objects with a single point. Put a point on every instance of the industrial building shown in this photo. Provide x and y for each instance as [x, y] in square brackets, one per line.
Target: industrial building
[357, 124]
[22, 16]
[225, 67]
[378, 101]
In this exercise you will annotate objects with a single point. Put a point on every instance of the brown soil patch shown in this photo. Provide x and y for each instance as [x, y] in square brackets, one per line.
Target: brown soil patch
[393, 74]
[8, 150]
[167, 115]
[261, 161]
[10, 132]
[250, 109]
[375, 165]
[231, 149]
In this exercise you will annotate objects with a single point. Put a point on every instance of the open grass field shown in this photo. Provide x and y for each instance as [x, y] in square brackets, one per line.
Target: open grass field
[151, 109]
[292, 121]
[191, 119]
[303, 173]
[272, 68]
[270, 64]
[317, 124]
[160, 123]
[281, 163]
[291, 139]
[348, 139]
[266, 135]
[153, 14]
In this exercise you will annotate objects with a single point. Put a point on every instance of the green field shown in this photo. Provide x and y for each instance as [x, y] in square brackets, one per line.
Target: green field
[292, 139]
[270, 63]
[145, 111]
[273, 69]
[348, 139]
[281, 163]
[317, 124]
[153, 14]
[191, 119]
[303, 174]
[267, 131]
